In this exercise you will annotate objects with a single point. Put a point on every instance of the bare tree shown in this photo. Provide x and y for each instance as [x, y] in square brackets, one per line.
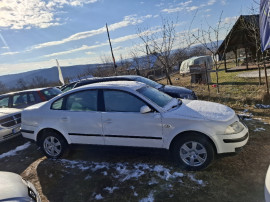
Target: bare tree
[136, 62]
[124, 65]
[160, 43]
[21, 84]
[108, 63]
[3, 88]
[209, 39]
[38, 82]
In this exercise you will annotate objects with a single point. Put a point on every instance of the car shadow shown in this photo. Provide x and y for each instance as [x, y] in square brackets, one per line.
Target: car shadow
[53, 175]
[17, 154]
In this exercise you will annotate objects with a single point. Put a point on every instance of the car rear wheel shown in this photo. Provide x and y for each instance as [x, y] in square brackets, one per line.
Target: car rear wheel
[193, 152]
[54, 145]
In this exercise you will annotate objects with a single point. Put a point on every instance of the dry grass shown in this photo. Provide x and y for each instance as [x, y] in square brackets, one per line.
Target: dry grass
[238, 93]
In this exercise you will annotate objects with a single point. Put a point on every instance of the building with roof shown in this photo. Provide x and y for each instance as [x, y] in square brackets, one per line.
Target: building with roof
[245, 36]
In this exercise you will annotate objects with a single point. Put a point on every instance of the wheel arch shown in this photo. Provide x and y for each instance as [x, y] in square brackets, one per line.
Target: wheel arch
[42, 132]
[185, 133]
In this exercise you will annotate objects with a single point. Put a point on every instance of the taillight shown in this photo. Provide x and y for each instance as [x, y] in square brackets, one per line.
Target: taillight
[42, 97]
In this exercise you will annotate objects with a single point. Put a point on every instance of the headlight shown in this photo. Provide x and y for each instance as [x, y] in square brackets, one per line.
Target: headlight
[234, 128]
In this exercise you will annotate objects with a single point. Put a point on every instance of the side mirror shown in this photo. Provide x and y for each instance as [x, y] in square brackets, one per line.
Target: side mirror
[145, 109]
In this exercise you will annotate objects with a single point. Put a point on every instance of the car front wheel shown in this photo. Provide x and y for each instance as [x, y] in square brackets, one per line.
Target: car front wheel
[193, 152]
[54, 145]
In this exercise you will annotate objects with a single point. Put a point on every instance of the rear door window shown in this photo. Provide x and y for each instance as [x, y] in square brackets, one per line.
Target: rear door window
[4, 102]
[19, 100]
[82, 101]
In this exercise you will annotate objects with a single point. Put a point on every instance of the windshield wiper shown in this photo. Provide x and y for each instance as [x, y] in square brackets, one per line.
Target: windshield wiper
[179, 103]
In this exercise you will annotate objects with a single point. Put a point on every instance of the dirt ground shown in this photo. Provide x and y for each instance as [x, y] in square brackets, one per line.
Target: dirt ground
[129, 174]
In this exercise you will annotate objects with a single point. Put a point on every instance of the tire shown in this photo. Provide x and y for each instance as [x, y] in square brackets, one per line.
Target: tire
[53, 145]
[193, 152]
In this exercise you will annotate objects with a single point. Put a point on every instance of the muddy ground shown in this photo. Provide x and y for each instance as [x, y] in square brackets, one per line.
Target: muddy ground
[128, 174]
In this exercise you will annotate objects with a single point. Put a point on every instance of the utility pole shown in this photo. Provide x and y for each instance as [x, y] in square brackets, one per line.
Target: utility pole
[115, 66]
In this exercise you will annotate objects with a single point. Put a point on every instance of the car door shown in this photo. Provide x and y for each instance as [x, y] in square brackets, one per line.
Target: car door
[79, 117]
[124, 125]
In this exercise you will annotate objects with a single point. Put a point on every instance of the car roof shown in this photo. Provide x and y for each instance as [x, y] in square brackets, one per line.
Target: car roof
[134, 85]
[109, 77]
[23, 91]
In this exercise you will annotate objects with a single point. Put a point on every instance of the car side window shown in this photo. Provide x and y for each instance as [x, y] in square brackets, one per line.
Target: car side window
[119, 101]
[19, 100]
[4, 102]
[82, 101]
[31, 98]
[57, 105]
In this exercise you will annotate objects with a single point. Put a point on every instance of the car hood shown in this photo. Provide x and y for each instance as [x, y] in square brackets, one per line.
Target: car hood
[203, 110]
[8, 111]
[12, 186]
[176, 89]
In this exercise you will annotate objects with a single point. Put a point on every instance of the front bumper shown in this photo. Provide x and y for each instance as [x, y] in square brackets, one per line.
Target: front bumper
[8, 133]
[231, 143]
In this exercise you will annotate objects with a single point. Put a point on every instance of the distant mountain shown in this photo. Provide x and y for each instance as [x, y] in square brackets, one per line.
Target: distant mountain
[51, 74]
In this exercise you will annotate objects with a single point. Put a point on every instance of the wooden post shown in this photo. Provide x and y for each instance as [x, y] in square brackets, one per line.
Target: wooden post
[111, 51]
[265, 74]
[246, 57]
[206, 74]
[236, 59]
[225, 62]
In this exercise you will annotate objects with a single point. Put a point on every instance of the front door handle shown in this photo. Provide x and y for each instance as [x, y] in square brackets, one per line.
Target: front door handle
[108, 121]
[64, 118]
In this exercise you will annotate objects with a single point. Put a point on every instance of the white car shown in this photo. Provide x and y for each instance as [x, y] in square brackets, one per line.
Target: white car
[133, 114]
[14, 188]
[10, 122]
[267, 186]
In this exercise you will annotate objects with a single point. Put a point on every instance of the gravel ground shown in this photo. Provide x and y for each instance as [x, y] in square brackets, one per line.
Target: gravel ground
[253, 74]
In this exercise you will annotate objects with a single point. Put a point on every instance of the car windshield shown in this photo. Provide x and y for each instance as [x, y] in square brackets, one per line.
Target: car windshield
[156, 96]
[149, 82]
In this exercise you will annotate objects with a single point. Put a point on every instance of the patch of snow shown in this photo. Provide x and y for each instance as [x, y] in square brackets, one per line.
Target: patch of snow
[192, 177]
[259, 129]
[14, 151]
[50, 175]
[149, 198]
[152, 181]
[98, 197]
[87, 177]
[261, 106]
[245, 116]
[177, 174]
[110, 189]
[125, 171]
[135, 193]
[105, 173]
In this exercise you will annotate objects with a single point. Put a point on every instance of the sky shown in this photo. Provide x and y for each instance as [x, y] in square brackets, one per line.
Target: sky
[33, 33]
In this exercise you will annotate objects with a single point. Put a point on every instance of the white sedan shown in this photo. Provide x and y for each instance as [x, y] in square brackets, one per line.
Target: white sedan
[133, 114]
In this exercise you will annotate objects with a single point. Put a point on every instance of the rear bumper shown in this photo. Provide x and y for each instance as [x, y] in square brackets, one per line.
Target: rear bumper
[28, 132]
